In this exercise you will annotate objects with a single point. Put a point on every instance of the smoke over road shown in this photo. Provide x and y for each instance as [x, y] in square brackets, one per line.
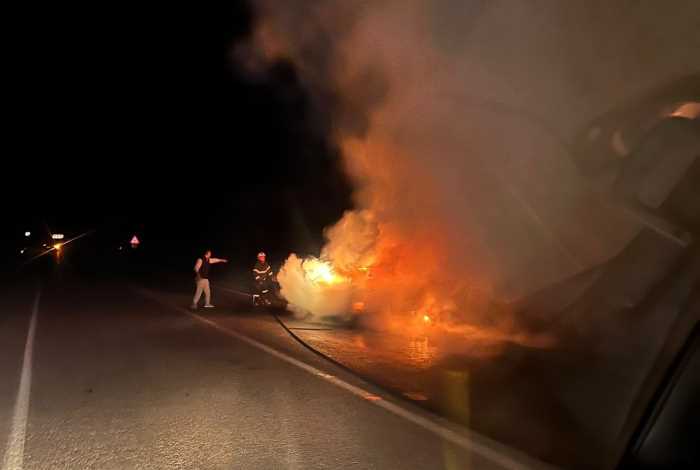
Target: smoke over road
[453, 119]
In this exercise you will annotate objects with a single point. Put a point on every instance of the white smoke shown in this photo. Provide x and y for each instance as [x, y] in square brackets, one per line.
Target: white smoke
[308, 293]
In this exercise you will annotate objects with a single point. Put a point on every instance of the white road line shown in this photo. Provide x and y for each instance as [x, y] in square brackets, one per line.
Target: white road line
[14, 453]
[496, 456]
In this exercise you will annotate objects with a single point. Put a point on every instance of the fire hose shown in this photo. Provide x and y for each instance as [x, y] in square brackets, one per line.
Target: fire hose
[296, 337]
[318, 353]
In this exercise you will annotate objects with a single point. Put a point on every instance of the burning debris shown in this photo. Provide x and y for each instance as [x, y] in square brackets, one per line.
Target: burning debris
[367, 270]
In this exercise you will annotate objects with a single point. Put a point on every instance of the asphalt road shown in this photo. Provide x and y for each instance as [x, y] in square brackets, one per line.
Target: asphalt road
[117, 377]
[564, 402]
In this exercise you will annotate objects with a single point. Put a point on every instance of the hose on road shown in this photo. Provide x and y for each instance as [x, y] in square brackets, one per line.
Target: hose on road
[318, 353]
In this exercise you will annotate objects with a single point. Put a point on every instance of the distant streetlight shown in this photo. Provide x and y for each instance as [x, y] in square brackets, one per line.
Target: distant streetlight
[57, 236]
[27, 234]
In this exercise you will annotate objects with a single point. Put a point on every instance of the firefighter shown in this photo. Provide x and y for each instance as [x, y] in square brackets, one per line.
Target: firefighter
[201, 270]
[263, 277]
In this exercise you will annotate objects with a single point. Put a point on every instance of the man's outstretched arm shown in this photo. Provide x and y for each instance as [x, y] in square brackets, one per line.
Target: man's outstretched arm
[218, 260]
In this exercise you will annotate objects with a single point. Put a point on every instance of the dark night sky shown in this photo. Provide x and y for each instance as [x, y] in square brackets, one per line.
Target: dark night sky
[136, 119]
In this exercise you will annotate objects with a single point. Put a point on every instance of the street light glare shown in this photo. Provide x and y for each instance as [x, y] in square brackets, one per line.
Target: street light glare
[58, 246]
[27, 234]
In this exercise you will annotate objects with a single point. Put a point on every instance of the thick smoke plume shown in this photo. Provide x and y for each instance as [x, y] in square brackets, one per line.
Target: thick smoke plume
[453, 118]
